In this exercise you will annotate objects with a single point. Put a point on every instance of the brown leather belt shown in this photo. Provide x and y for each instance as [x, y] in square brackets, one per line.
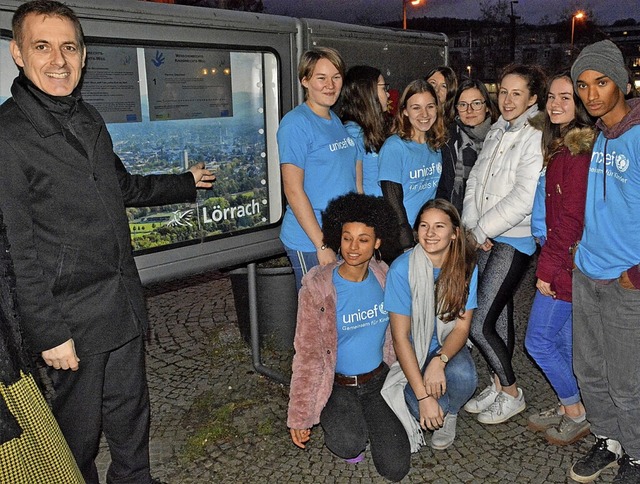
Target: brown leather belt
[355, 380]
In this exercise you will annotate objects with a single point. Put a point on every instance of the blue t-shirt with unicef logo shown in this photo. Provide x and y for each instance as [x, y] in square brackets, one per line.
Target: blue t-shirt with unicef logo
[539, 212]
[415, 166]
[369, 160]
[327, 154]
[362, 323]
[397, 294]
[609, 245]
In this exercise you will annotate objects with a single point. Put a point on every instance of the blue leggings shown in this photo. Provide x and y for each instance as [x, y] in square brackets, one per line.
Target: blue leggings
[550, 343]
[301, 262]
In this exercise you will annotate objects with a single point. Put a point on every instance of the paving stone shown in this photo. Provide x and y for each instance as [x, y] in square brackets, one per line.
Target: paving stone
[197, 359]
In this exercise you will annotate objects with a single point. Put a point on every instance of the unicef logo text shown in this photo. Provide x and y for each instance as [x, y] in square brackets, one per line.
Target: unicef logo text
[342, 145]
[619, 160]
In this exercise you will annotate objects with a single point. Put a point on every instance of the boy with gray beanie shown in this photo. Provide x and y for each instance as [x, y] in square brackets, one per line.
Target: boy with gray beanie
[606, 282]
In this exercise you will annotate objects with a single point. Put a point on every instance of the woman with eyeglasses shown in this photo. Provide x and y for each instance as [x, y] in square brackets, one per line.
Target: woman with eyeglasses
[365, 97]
[476, 112]
[497, 209]
[410, 161]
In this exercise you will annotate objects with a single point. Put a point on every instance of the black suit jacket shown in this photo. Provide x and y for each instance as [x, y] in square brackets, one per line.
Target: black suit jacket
[64, 207]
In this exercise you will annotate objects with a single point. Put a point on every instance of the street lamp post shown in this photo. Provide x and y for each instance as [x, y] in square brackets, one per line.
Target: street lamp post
[513, 18]
[578, 15]
[415, 3]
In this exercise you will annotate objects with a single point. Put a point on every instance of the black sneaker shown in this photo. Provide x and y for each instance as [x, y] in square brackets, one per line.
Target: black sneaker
[589, 467]
[629, 472]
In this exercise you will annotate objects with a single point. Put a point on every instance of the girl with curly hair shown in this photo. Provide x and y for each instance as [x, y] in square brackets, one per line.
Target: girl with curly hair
[410, 161]
[430, 296]
[343, 344]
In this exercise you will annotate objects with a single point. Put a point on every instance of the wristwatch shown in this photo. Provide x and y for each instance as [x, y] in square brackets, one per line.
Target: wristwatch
[444, 358]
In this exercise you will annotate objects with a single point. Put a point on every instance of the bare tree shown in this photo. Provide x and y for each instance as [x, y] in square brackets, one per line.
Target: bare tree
[495, 11]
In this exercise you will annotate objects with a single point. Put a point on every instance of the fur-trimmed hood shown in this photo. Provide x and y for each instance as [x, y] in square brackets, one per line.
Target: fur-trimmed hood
[580, 140]
[537, 121]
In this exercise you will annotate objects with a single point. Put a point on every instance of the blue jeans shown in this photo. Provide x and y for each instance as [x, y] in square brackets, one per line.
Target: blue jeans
[301, 262]
[462, 380]
[354, 415]
[606, 339]
[550, 343]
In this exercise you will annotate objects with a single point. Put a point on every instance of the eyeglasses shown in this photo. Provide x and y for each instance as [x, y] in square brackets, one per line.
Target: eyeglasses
[385, 87]
[475, 105]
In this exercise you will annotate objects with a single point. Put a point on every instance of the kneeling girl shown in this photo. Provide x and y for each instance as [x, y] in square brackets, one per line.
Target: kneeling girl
[430, 297]
[343, 344]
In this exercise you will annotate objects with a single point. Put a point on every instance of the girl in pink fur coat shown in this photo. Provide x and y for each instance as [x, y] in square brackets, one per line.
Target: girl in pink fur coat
[343, 344]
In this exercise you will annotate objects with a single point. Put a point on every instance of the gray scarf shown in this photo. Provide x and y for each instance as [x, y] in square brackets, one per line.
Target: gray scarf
[468, 143]
[422, 325]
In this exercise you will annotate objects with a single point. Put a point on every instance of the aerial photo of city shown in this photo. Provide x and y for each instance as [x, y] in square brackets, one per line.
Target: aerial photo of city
[233, 147]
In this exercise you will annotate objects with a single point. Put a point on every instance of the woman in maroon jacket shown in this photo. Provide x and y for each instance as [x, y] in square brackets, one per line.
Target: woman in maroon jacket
[566, 143]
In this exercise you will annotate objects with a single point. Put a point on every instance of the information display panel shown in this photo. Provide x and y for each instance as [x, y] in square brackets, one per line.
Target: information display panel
[168, 108]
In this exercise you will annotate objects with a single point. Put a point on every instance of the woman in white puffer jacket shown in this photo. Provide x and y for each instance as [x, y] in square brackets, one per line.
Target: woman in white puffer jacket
[497, 209]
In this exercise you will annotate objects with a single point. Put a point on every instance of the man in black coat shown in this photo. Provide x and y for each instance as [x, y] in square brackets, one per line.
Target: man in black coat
[63, 192]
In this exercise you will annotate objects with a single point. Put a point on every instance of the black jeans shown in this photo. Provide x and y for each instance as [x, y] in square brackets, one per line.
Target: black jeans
[354, 415]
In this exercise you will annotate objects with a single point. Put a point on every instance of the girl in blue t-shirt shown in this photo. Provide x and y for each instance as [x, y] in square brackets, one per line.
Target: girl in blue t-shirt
[365, 97]
[410, 162]
[343, 344]
[430, 296]
[317, 159]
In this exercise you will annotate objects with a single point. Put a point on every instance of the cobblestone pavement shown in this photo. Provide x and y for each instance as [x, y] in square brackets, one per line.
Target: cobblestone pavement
[216, 420]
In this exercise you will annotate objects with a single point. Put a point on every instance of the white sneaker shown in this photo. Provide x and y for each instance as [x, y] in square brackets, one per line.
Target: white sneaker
[504, 407]
[485, 398]
[445, 435]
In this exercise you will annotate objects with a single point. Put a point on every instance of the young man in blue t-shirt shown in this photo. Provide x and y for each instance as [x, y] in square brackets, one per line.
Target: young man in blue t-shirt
[606, 282]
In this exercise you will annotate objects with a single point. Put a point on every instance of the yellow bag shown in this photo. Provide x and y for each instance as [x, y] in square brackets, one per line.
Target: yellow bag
[40, 454]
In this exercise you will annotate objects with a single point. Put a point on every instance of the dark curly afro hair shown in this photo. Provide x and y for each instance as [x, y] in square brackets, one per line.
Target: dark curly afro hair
[372, 211]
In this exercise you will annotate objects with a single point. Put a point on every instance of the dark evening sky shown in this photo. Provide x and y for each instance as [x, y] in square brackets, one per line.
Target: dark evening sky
[531, 11]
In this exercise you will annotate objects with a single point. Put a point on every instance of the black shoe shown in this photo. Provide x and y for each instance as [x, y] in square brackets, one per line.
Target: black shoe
[589, 467]
[629, 472]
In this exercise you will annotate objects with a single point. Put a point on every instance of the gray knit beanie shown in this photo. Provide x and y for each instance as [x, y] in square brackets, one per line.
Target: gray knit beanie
[604, 57]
